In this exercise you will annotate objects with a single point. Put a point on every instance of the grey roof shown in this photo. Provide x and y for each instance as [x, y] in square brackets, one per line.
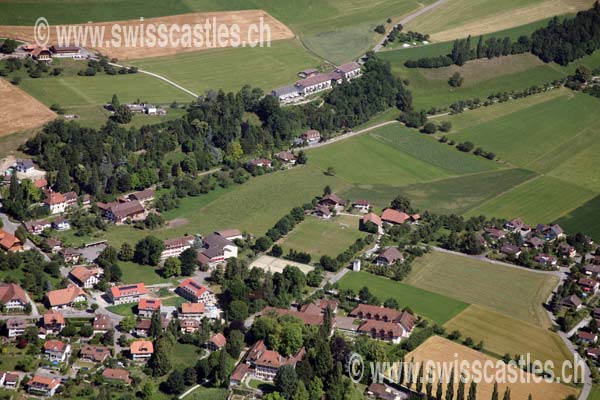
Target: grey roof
[284, 90]
[214, 245]
[25, 163]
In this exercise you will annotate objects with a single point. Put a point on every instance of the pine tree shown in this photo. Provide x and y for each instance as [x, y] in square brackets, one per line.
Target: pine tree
[506, 394]
[63, 182]
[429, 385]
[460, 393]
[450, 386]
[495, 392]
[472, 391]
[479, 52]
[155, 325]
[439, 390]
[419, 384]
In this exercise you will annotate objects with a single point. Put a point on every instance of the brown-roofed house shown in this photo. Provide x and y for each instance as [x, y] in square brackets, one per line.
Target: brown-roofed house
[216, 342]
[94, 353]
[13, 297]
[42, 385]
[101, 323]
[192, 311]
[143, 196]
[120, 212]
[9, 242]
[372, 218]
[286, 157]
[395, 217]
[389, 256]
[84, 276]
[120, 375]
[52, 323]
[65, 297]
[141, 350]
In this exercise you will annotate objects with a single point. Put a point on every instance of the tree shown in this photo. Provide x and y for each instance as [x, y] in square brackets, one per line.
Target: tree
[495, 391]
[235, 343]
[189, 260]
[160, 362]
[286, 381]
[506, 394]
[450, 386]
[238, 310]
[148, 390]
[391, 303]
[445, 126]
[122, 114]
[63, 181]
[301, 393]
[175, 383]
[380, 29]
[302, 158]
[171, 267]
[456, 80]
[429, 128]
[401, 203]
[126, 252]
[148, 251]
[9, 46]
[155, 325]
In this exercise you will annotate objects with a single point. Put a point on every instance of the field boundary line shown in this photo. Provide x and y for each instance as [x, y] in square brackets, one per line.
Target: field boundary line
[167, 80]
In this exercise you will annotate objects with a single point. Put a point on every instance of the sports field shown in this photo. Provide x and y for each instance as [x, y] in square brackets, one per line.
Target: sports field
[273, 264]
[319, 237]
[19, 111]
[513, 291]
[500, 337]
[459, 18]
[444, 351]
[433, 306]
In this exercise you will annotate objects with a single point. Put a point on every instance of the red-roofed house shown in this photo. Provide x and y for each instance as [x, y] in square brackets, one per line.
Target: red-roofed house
[147, 307]
[311, 136]
[141, 350]
[65, 297]
[116, 375]
[127, 293]
[216, 342]
[361, 205]
[192, 311]
[52, 323]
[195, 292]
[55, 202]
[381, 330]
[43, 386]
[395, 217]
[265, 363]
[9, 242]
[57, 351]
[12, 297]
[84, 276]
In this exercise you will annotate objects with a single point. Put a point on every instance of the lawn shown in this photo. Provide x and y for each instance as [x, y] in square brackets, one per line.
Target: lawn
[135, 273]
[540, 200]
[203, 393]
[229, 69]
[364, 159]
[433, 306]
[512, 291]
[499, 335]
[185, 355]
[126, 310]
[320, 237]
[594, 394]
[453, 195]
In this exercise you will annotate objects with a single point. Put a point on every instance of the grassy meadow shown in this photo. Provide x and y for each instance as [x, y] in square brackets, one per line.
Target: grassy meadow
[499, 336]
[512, 291]
[320, 237]
[433, 306]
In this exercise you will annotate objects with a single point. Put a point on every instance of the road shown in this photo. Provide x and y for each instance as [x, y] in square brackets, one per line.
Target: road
[346, 135]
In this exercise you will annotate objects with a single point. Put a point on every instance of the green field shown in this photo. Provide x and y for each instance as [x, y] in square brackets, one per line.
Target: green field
[583, 219]
[594, 394]
[135, 273]
[229, 69]
[499, 335]
[320, 237]
[512, 291]
[436, 307]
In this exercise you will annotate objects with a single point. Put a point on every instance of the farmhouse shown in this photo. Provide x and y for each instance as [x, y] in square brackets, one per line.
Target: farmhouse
[286, 157]
[43, 386]
[334, 201]
[264, 363]
[68, 297]
[36, 227]
[65, 51]
[55, 202]
[57, 351]
[394, 217]
[372, 218]
[13, 297]
[127, 293]
[349, 70]
[53, 323]
[389, 256]
[121, 212]
[323, 211]
[143, 196]
[311, 136]
[9, 242]
[84, 276]
[174, 247]
[217, 249]
[116, 375]
[101, 323]
[361, 205]
[141, 350]
[147, 307]
[195, 292]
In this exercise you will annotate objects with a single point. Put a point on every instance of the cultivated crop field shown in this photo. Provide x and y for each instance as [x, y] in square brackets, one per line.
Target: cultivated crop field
[319, 237]
[19, 111]
[459, 18]
[512, 291]
[442, 350]
[436, 307]
[500, 337]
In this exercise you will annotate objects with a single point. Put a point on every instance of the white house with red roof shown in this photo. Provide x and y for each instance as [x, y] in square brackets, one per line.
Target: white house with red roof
[57, 351]
[195, 292]
[55, 202]
[126, 293]
[147, 307]
[67, 297]
[12, 297]
[43, 386]
[174, 247]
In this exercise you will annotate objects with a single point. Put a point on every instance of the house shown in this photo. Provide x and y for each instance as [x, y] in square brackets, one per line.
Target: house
[68, 297]
[368, 311]
[566, 250]
[217, 342]
[556, 232]
[101, 323]
[195, 292]
[9, 380]
[333, 201]
[545, 259]
[587, 337]
[9, 242]
[40, 183]
[13, 297]
[61, 224]
[57, 351]
[320, 306]
[260, 162]
[94, 353]
[572, 302]
[592, 270]
[36, 227]
[394, 217]
[265, 363]
[317, 83]
[311, 136]
[24, 166]
[65, 51]
[588, 285]
[286, 93]
[53, 323]
[147, 307]
[55, 245]
[16, 326]
[494, 234]
[189, 325]
[382, 392]
[71, 198]
[142, 328]
[349, 70]
[192, 311]
[70, 255]
[43, 386]
[84, 276]
[534, 242]
[230, 234]
[361, 205]
[141, 350]
[381, 330]
[116, 375]
[174, 247]
[514, 225]
[389, 256]
[239, 374]
[593, 352]
[127, 293]
[372, 218]
[143, 196]
[55, 202]
[323, 211]
[216, 249]
[510, 250]
[121, 212]
[286, 157]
